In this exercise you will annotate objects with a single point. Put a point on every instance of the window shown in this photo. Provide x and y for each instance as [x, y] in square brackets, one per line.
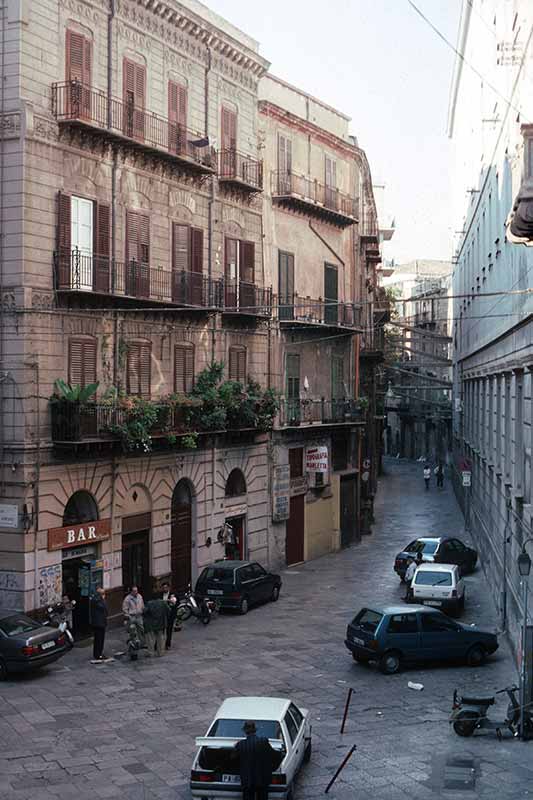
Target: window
[18, 625]
[82, 361]
[437, 623]
[246, 574]
[184, 368]
[331, 293]
[83, 244]
[138, 368]
[337, 378]
[296, 714]
[78, 58]
[237, 363]
[403, 623]
[137, 282]
[228, 129]
[458, 545]
[257, 571]
[292, 366]
[236, 484]
[424, 578]
[284, 164]
[331, 183]
[340, 450]
[291, 727]
[296, 462]
[286, 285]
[187, 264]
[233, 728]
[421, 546]
[239, 271]
[134, 87]
[177, 117]
[368, 620]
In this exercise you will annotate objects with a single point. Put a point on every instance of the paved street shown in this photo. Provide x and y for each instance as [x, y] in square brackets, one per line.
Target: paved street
[126, 730]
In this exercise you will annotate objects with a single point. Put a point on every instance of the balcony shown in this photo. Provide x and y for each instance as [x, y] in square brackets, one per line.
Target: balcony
[239, 171]
[246, 299]
[301, 413]
[295, 311]
[93, 275]
[370, 232]
[79, 106]
[303, 194]
[372, 344]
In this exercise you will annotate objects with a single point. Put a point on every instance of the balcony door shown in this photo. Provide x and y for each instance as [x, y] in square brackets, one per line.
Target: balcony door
[286, 286]
[228, 140]
[293, 388]
[134, 87]
[187, 265]
[284, 164]
[177, 118]
[331, 183]
[137, 278]
[239, 273]
[331, 294]
[81, 240]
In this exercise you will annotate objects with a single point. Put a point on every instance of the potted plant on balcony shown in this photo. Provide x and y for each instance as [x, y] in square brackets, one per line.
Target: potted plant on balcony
[72, 414]
[136, 420]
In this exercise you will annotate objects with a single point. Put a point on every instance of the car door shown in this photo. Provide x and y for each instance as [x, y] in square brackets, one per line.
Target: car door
[263, 584]
[248, 583]
[440, 637]
[446, 554]
[299, 721]
[462, 555]
[295, 747]
[403, 635]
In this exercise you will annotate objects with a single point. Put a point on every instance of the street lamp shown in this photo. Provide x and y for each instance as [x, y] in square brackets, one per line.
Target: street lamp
[524, 568]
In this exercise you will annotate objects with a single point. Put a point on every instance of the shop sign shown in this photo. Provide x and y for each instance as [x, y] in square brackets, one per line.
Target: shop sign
[76, 535]
[316, 459]
[9, 516]
[467, 478]
[281, 491]
[78, 552]
[237, 510]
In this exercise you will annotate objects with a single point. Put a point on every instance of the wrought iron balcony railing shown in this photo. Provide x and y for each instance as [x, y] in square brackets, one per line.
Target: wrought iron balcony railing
[299, 412]
[247, 298]
[304, 310]
[75, 103]
[241, 170]
[304, 193]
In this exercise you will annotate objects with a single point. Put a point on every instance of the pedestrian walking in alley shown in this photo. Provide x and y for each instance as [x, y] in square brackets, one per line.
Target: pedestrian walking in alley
[409, 574]
[439, 472]
[133, 608]
[98, 622]
[427, 475]
[172, 602]
[155, 626]
[256, 763]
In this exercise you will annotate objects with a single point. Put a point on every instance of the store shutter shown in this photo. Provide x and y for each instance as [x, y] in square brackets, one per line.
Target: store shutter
[184, 368]
[102, 237]
[63, 259]
[82, 361]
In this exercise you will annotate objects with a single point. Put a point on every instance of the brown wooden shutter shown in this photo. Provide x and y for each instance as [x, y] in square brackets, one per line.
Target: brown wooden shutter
[139, 368]
[197, 250]
[145, 369]
[134, 91]
[247, 262]
[237, 363]
[75, 56]
[228, 129]
[137, 254]
[81, 361]
[63, 240]
[184, 368]
[180, 247]
[102, 241]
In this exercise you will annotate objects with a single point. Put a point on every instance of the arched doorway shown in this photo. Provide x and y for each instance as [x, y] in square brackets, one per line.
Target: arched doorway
[181, 537]
[234, 527]
[81, 569]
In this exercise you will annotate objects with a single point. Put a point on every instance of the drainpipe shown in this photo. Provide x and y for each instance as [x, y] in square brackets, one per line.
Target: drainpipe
[2, 241]
[110, 18]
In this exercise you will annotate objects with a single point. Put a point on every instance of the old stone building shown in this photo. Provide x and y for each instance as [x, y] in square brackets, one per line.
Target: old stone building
[153, 247]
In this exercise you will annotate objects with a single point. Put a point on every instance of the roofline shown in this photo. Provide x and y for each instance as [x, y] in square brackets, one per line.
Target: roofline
[466, 12]
[309, 96]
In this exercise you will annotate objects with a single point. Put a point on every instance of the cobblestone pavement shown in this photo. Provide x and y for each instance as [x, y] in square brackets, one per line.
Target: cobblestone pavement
[124, 730]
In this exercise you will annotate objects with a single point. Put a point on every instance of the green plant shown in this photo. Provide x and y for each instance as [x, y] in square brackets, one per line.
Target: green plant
[189, 442]
[73, 394]
[363, 403]
[137, 419]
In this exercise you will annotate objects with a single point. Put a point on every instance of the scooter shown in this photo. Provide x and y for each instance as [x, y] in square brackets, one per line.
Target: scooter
[470, 711]
[202, 609]
[57, 618]
[133, 642]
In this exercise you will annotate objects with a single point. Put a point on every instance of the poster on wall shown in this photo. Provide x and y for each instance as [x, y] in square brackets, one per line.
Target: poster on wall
[316, 459]
[49, 585]
[281, 492]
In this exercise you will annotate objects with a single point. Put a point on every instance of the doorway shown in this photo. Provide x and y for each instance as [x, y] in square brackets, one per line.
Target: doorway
[136, 562]
[81, 574]
[235, 539]
[294, 541]
[348, 510]
[181, 537]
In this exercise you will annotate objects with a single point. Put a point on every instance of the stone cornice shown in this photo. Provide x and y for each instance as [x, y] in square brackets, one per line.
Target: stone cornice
[160, 18]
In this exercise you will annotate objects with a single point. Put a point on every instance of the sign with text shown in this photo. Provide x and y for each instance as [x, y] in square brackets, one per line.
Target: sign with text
[316, 459]
[76, 535]
[281, 493]
[9, 516]
[467, 478]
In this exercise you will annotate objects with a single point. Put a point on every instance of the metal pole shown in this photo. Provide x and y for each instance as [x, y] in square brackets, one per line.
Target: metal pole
[523, 665]
[504, 586]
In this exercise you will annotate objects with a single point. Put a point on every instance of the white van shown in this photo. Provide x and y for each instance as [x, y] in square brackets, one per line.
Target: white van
[439, 585]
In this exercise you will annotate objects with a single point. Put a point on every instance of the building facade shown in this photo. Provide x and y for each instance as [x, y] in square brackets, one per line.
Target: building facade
[160, 285]
[492, 348]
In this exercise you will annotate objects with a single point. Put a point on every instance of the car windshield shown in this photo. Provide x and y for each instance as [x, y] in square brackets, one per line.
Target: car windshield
[217, 574]
[421, 546]
[368, 620]
[17, 625]
[425, 578]
[233, 728]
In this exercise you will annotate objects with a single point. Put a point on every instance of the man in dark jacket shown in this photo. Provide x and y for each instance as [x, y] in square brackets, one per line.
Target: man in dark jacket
[155, 618]
[98, 622]
[257, 758]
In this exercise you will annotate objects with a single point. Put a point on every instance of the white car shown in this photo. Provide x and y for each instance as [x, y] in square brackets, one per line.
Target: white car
[438, 585]
[215, 771]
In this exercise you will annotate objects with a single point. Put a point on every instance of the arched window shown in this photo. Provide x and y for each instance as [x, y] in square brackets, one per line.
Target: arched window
[81, 507]
[235, 485]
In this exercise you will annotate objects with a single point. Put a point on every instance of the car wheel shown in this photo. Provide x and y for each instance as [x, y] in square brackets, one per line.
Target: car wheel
[390, 663]
[275, 594]
[243, 607]
[307, 752]
[465, 725]
[360, 658]
[476, 656]
[3, 670]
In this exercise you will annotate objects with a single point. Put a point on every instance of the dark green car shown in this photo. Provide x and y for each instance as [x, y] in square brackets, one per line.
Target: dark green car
[397, 635]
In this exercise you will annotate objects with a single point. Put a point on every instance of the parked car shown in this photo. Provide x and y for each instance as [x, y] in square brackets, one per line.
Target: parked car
[26, 645]
[440, 586]
[215, 770]
[443, 550]
[395, 635]
[238, 584]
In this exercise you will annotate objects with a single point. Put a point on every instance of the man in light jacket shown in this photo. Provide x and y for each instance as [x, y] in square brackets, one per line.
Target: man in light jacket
[133, 608]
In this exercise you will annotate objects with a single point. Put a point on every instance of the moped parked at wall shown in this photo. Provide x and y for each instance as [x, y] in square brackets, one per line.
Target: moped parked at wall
[201, 608]
[470, 712]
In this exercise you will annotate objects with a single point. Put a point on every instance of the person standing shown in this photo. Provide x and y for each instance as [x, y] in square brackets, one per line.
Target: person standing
[427, 475]
[439, 472]
[172, 602]
[256, 763]
[132, 608]
[155, 626]
[409, 574]
[98, 622]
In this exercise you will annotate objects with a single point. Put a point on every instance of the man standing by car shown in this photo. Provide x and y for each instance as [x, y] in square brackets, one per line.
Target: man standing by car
[98, 622]
[256, 757]
[410, 572]
[132, 608]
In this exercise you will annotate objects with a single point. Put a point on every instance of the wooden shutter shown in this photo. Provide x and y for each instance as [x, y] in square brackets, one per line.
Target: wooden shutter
[139, 368]
[331, 286]
[197, 266]
[228, 129]
[230, 272]
[137, 254]
[237, 363]
[78, 58]
[180, 247]
[134, 90]
[284, 155]
[101, 247]
[177, 116]
[331, 173]
[247, 262]
[81, 361]
[63, 240]
[286, 285]
[184, 368]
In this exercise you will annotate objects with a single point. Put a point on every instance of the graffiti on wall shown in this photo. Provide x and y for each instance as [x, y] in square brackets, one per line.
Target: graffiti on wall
[49, 585]
[11, 591]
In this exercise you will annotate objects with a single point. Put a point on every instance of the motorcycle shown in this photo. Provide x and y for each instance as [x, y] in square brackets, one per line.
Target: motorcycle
[201, 608]
[133, 642]
[57, 618]
[470, 711]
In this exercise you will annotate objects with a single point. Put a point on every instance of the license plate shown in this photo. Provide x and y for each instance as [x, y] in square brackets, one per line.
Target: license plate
[215, 591]
[47, 645]
[231, 779]
[432, 602]
[355, 640]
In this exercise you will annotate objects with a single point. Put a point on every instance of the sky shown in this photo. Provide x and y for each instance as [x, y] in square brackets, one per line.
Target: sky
[380, 63]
